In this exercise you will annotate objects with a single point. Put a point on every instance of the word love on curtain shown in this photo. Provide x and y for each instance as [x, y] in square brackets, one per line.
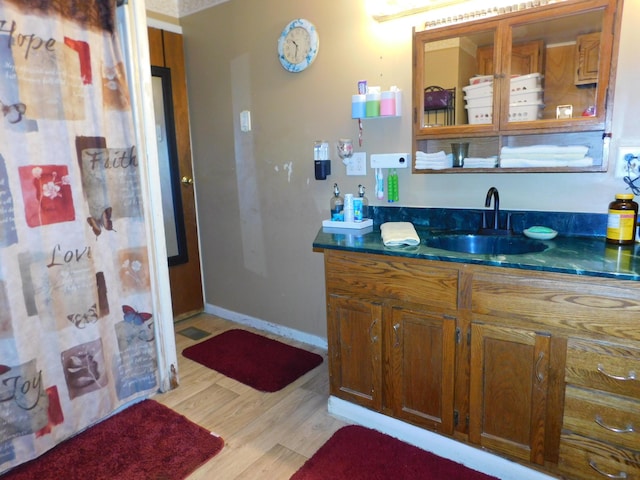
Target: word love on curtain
[76, 320]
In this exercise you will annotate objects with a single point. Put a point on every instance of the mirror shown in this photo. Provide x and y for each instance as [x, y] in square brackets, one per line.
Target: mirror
[552, 64]
[175, 236]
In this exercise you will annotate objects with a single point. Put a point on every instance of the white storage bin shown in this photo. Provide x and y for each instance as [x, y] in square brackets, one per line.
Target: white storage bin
[478, 90]
[526, 82]
[525, 112]
[527, 96]
[484, 101]
[479, 115]
[480, 79]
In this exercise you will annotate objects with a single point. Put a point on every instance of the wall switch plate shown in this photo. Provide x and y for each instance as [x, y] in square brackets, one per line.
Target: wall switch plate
[390, 160]
[245, 121]
[627, 162]
[357, 164]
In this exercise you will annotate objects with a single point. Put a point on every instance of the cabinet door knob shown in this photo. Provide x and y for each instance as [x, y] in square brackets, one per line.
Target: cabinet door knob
[539, 374]
[396, 328]
[187, 180]
[374, 338]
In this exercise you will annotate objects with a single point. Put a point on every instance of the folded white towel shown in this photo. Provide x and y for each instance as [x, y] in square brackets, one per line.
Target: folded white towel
[399, 233]
[475, 162]
[433, 161]
[523, 162]
[554, 149]
[429, 156]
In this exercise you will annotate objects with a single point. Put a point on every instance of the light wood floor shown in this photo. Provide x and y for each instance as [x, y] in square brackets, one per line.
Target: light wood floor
[267, 435]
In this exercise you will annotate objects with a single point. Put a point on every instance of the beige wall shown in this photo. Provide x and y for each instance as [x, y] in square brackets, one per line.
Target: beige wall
[258, 202]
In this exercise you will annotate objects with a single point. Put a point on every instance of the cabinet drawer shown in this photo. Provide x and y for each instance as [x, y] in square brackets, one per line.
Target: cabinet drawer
[604, 366]
[562, 302]
[602, 416]
[394, 278]
[588, 459]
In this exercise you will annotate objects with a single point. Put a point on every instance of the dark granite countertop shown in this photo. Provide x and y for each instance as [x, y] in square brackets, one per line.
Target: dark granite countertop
[579, 248]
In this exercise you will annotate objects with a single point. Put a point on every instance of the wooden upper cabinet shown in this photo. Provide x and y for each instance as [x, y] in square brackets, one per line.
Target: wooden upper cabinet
[538, 76]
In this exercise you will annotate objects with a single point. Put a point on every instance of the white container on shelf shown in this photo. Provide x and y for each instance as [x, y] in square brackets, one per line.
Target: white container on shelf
[479, 115]
[533, 95]
[526, 82]
[480, 79]
[478, 90]
[525, 112]
[484, 101]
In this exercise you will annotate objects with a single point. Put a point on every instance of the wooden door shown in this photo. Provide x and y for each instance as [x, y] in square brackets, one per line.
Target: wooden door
[587, 58]
[525, 58]
[166, 50]
[355, 341]
[509, 379]
[422, 347]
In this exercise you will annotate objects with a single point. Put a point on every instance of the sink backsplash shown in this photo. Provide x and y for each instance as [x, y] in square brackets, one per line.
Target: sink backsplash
[469, 220]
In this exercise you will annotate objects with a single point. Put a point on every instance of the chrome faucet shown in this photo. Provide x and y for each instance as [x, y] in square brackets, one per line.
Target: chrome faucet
[493, 192]
[495, 230]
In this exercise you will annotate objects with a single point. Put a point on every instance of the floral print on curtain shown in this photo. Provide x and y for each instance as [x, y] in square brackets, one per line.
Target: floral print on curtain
[76, 328]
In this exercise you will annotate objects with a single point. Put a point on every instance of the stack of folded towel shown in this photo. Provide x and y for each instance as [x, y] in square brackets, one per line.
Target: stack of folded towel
[545, 156]
[433, 161]
[473, 162]
[399, 233]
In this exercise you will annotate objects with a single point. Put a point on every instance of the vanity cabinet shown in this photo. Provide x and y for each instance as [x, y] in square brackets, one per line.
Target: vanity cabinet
[392, 336]
[569, 48]
[536, 366]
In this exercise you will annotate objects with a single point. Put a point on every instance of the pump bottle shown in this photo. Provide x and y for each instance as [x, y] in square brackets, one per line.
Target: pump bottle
[365, 202]
[336, 205]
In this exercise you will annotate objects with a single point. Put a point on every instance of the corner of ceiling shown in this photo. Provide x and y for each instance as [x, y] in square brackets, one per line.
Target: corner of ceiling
[180, 8]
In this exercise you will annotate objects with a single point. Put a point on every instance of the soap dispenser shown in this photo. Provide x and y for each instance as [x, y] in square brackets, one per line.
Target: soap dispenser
[365, 202]
[336, 205]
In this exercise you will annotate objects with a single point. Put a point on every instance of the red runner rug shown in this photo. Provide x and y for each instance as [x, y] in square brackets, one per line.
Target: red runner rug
[145, 441]
[260, 362]
[359, 453]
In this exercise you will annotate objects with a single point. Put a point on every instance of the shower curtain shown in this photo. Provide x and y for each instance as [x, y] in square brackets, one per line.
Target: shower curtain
[77, 337]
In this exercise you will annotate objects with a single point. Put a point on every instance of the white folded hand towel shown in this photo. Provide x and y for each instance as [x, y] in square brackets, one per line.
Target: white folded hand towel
[399, 233]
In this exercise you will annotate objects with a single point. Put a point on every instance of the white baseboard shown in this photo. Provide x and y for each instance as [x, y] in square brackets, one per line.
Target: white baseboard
[440, 445]
[265, 326]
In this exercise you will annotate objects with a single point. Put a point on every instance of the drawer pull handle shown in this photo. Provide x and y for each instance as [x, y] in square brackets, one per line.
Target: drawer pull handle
[630, 376]
[627, 429]
[593, 465]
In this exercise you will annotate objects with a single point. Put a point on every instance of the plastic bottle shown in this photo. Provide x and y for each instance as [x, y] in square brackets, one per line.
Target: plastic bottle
[379, 184]
[336, 205]
[622, 219]
[392, 186]
[365, 202]
[348, 207]
[396, 193]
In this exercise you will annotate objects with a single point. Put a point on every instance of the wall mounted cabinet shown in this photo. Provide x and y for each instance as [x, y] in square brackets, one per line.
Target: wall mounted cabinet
[569, 104]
